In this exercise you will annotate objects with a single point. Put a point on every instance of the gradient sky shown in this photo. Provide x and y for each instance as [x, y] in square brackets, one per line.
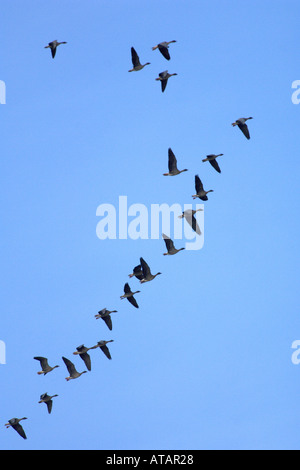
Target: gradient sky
[205, 363]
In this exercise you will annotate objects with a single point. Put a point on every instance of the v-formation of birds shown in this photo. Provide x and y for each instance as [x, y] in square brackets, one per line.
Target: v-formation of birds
[142, 271]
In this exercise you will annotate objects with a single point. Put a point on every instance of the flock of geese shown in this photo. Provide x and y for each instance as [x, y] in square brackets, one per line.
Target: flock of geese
[142, 272]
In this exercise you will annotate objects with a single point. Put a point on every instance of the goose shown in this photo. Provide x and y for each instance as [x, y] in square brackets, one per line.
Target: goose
[128, 294]
[45, 398]
[163, 48]
[72, 370]
[137, 272]
[82, 352]
[136, 62]
[53, 46]
[44, 365]
[15, 424]
[189, 216]
[102, 345]
[172, 163]
[163, 78]
[146, 272]
[212, 160]
[170, 246]
[200, 193]
[241, 123]
[105, 315]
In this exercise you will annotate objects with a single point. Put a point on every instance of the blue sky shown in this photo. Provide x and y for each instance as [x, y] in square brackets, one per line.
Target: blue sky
[205, 363]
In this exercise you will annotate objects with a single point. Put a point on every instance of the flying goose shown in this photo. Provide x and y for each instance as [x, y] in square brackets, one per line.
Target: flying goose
[136, 61]
[53, 46]
[146, 272]
[72, 370]
[15, 424]
[200, 193]
[172, 163]
[105, 315]
[82, 352]
[163, 78]
[128, 294]
[212, 160]
[137, 272]
[44, 365]
[189, 216]
[170, 246]
[45, 398]
[102, 345]
[241, 123]
[163, 48]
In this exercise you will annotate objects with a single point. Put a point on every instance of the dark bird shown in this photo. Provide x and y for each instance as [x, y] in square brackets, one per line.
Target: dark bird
[15, 424]
[128, 294]
[45, 398]
[72, 370]
[147, 272]
[241, 123]
[189, 216]
[44, 365]
[102, 345]
[105, 315]
[53, 46]
[170, 246]
[172, 163]
[212, 160]
[200, 193]
[136, 61]
[82, 352]
[163, 77]
[163, 48]
[137, 272]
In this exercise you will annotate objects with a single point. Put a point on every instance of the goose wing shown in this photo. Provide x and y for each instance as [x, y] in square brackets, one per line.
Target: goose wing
[108, 321]
[105, 349]
[87, 360]
[135, 58]
[138, 272]
[215, 165]
[43, 361]
[70, 366]
[133, 301]
[127, 289]
[172, 161]
[198, 184]
[17, 427]
[169, 243]
[244, 128]
[164, 51]
[145, 267]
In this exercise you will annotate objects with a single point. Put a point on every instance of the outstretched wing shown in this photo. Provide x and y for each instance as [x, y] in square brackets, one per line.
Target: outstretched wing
[107, 320]
[244, 129]
[198, 184]
[169, 243]
[70, 366]
[43, 361]
[134, 57]
[133, 301]
[20, 430]
[106, 351]
[164, 50]
[215, 165]
[87, 360]
[172, 161]
[127, 289]
[145, 267]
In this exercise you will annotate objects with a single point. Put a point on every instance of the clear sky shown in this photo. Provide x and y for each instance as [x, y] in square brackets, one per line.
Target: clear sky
[205, 363]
